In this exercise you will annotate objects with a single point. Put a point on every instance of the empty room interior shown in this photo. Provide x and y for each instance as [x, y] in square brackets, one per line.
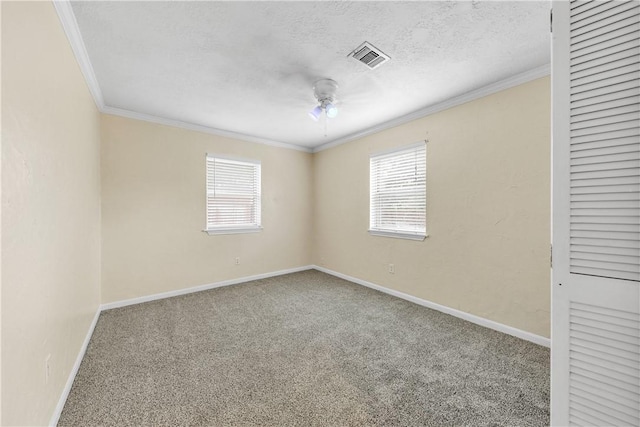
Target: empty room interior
[320, 213]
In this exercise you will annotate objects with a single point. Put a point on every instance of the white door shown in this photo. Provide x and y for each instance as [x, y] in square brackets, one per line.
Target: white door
[595, 347]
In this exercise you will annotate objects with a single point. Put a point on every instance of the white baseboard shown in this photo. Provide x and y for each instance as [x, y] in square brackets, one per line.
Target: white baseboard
[528, 336]
[147, 298]
[74, 370]
[457, 313]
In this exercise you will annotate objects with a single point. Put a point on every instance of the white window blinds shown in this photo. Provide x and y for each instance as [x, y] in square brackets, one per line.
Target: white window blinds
[233, 195]
[398, 195]
[605, 139]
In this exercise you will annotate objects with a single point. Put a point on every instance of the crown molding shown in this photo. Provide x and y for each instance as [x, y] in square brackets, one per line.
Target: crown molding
[199, 128]
[490, 89]
[70, 26]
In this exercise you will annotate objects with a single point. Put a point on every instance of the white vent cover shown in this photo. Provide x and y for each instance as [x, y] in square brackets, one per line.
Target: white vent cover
[369, 55]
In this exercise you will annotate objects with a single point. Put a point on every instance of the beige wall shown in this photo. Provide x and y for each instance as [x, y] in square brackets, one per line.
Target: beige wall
[488, 212]
[0, 217]
[153, 211]
[50, 211]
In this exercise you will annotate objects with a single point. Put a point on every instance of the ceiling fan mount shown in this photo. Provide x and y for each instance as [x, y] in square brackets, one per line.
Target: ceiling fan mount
[325, 92]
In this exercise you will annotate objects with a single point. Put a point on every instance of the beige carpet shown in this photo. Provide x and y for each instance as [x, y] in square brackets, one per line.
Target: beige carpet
[305, 349]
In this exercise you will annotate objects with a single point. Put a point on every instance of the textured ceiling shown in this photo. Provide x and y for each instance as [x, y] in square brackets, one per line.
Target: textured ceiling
[249, 67]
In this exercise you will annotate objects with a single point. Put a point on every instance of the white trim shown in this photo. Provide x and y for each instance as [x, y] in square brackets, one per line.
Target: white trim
[377, 209]
[560, 213]
[396, 150]
[229, 223]
[74, 370]
[70, 26]
[123, 303]
[528, 336]
[55, 417]
[490, 89]
[163, 295]
[233, 158]
[200, 128]
[398, 234]
[235, 230]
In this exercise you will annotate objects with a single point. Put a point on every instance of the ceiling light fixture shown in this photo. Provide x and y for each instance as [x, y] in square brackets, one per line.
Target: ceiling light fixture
[330, 110]
[315, 113]
[325, 92]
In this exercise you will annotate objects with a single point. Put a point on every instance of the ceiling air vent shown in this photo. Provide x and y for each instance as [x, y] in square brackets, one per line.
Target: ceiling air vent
[369, 55]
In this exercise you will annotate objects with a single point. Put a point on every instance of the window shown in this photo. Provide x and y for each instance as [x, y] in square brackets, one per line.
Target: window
[398, 192]
[233, 195]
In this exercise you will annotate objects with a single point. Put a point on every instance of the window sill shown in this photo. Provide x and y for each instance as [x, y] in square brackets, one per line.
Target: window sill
[236, 230]
[398, 235]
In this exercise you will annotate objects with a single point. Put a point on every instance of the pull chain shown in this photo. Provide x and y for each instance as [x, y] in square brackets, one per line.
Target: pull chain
[325, 125]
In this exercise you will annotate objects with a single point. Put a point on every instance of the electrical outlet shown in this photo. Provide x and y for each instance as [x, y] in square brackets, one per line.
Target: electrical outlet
[392, 269]
[237, 260]
[47, 368]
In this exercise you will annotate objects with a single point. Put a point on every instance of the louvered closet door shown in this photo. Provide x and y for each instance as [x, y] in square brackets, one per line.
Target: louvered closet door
[596, 218]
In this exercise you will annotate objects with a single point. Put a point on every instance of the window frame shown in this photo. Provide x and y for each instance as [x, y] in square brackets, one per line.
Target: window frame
[397, 233]
[236, 228]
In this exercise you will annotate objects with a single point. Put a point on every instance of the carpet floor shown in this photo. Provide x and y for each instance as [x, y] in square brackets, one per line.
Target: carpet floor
[303, 349]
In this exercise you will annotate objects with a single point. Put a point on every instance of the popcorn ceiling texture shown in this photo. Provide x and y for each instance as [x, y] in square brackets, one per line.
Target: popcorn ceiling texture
[249, 67]
[305, 349]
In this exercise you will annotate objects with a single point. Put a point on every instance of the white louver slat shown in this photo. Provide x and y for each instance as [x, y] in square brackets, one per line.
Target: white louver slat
[233, 194]
[398, 192]
[604, 365]
[595, 362]
[605, 140]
